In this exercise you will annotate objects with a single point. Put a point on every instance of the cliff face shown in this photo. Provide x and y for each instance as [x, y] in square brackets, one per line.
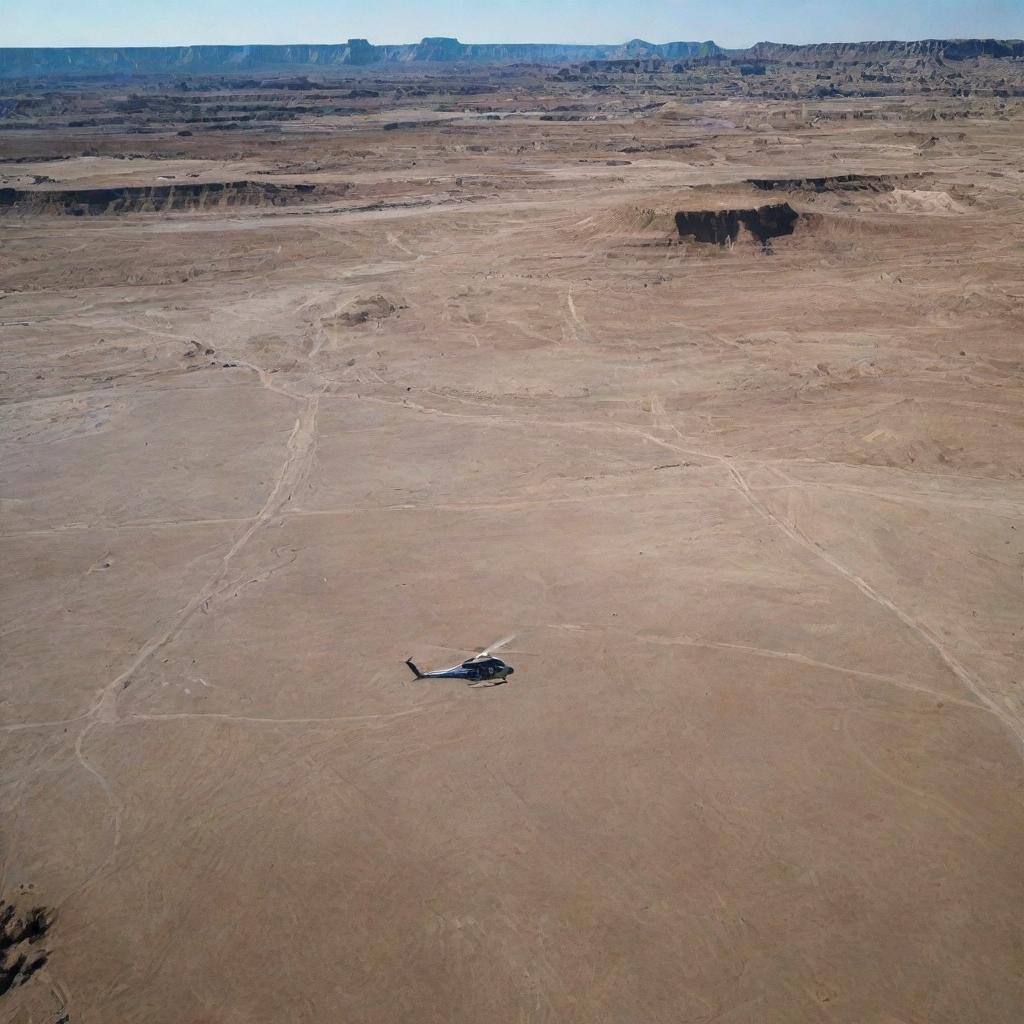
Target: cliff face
[50, 62]
[148, 60]
[158, 198]
[950, 49]
[125, 60]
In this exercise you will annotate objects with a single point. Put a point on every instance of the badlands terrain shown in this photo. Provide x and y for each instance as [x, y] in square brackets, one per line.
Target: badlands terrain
[703, 380]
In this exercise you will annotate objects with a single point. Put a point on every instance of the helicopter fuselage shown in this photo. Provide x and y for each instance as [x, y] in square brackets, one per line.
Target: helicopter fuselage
[475, 670]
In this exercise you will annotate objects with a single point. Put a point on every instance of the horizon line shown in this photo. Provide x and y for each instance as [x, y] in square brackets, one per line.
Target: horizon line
[463, 42]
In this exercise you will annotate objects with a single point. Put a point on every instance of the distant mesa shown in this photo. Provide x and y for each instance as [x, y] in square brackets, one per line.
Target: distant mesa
[55, 62]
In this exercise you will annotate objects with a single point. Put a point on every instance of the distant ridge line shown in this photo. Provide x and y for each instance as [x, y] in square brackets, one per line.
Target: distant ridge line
[58, 62]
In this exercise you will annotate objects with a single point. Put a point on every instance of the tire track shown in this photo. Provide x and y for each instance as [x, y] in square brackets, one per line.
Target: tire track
[300, 448]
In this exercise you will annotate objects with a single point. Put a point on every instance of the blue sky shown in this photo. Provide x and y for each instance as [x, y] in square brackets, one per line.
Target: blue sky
[728, 22]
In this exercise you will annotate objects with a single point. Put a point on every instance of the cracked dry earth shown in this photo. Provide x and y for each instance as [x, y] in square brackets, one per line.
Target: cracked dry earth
[755, 520]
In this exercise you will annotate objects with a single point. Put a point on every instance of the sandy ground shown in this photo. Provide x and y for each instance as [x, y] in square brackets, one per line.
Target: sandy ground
[754, 519]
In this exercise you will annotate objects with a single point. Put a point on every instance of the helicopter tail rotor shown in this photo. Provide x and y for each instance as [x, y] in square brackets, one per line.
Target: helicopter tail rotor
[415, 671]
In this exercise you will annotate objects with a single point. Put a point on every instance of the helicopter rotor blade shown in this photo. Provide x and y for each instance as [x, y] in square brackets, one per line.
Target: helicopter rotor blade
[497, 645]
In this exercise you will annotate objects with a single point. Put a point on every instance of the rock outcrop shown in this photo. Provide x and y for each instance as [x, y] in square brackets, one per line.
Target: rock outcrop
[159, 198]
[948, 49]
[723, 227]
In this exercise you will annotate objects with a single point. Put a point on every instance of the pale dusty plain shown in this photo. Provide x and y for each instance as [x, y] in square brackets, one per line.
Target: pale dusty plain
[754, 518]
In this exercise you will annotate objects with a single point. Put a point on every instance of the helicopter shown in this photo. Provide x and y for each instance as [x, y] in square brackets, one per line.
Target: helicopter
[480, 670]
